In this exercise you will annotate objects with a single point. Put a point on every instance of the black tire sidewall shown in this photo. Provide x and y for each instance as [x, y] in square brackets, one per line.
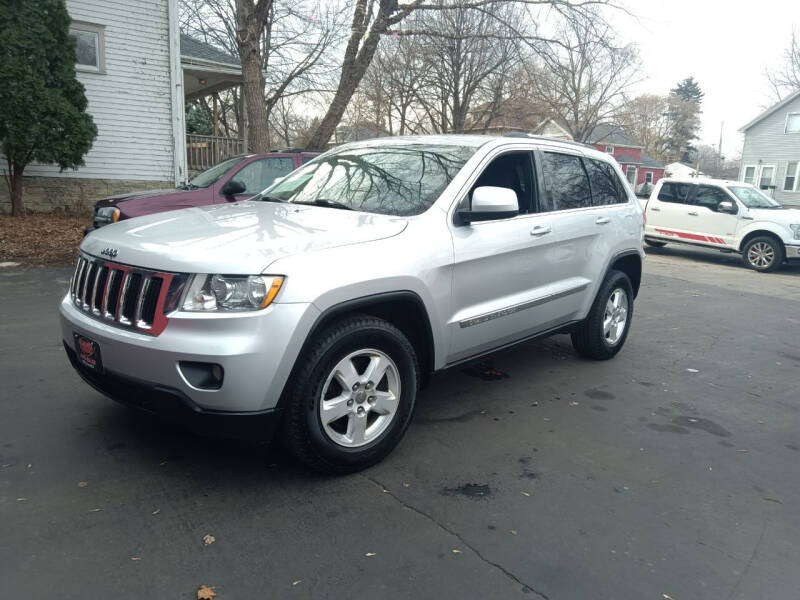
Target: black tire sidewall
[777, 248]
[309, 392]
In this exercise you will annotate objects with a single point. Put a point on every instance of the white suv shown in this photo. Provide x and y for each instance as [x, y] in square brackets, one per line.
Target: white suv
[320, 308]
[730, 216]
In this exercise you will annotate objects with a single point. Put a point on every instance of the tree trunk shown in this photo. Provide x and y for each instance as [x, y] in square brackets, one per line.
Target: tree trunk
[249, 24]
[15, 176]
[354, 66]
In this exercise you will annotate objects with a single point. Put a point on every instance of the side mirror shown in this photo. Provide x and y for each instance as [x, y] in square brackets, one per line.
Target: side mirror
[490, 203]
[233, 187]
[727, 207]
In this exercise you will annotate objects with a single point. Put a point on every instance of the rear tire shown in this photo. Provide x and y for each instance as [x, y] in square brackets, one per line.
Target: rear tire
[763, 254]
[654, 243]
[604, 331]
[353, 398]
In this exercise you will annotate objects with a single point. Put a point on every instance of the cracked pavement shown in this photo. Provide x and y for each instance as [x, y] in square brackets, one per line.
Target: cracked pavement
[671, 470]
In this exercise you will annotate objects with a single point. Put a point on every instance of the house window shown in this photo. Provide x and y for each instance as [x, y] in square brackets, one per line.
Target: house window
[790, 183]
[89, 46]
[749, 175]
[767, 179]
[610, 149]
[793, 122]
[648, 177]
[630, 173]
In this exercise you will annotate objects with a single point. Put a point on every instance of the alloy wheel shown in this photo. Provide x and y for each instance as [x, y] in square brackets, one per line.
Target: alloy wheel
[615, 316]
[360, 398]
[761, 255]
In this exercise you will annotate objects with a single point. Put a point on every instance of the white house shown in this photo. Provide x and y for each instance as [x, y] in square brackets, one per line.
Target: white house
[771, 152]
[138, 72]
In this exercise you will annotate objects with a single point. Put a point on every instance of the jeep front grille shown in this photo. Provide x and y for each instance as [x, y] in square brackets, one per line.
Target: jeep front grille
[125, 296]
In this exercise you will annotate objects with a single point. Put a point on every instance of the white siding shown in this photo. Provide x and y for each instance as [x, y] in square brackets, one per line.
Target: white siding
[766, 142]
[130, 102]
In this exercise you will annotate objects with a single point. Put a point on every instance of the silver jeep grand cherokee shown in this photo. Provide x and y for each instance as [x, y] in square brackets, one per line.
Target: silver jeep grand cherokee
[320, 307]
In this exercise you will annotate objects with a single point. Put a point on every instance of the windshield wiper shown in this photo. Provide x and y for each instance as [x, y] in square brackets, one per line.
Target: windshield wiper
[268, 198]
[325, 203]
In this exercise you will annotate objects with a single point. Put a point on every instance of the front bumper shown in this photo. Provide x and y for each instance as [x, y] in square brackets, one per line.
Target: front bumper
[173, 405]
[792, 251]
[256, 350]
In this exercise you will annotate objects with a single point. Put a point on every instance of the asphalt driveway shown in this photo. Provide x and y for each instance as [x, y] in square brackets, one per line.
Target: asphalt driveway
[669, 472]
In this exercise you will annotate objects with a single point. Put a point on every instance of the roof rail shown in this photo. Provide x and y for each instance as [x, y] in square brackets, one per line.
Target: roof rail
[532, 136]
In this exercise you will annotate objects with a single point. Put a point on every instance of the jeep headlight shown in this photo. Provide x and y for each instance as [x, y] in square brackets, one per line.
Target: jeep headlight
[106, 215]
[796, 230]
[210, 293]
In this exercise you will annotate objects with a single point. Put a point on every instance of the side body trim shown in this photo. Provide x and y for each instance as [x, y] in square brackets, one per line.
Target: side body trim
[518, 307]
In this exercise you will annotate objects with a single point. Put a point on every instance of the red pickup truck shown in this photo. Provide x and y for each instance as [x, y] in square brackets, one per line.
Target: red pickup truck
[236, 178]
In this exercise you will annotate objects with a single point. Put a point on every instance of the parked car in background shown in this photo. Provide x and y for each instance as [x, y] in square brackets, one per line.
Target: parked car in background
[320, 308]
[236, 178]
[730, 216]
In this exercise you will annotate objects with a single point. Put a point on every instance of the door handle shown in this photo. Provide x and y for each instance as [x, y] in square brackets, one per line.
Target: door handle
[602, 220]
[692, 214]
[540, 230]
[655, 209]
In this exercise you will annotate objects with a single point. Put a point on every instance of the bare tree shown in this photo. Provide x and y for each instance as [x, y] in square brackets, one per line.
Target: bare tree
[786, 78]
[282, 47]
[467, 60]
[375, 18]
[647, 119]
[583, 78]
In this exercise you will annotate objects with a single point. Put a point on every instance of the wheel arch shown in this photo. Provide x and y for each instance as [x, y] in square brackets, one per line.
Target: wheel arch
[630, 263]
[759, 233]
[404, 309]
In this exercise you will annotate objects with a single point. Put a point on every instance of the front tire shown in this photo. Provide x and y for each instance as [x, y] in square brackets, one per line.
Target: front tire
[763, 254]
[654, 243]
[353, 398]
[604, 331]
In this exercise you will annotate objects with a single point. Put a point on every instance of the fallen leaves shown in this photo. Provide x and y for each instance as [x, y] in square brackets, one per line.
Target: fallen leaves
[370, 554]
[82, 484]
[208, 539]
[574, 403]
[206, 593]
[41, 239]
[513, 531]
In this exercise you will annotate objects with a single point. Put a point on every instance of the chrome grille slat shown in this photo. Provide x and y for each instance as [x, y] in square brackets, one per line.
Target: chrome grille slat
[121, 302]
[78, 276]
[137, 313]
[84, 292]
[112, 276]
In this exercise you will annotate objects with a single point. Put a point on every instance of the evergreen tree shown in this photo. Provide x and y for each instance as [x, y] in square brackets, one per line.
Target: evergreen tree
[684, 114]
[689, 90]
[42, 106]
[198, 121]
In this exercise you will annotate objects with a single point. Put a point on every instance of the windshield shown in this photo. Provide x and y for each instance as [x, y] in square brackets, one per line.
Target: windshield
[210, 177]
[752, 198]
[388, 180]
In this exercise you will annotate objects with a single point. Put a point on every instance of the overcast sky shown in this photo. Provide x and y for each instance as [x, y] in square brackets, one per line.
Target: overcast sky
[725, 45]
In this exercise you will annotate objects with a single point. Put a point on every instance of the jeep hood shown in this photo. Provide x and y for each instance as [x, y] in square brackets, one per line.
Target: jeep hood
[238, 238]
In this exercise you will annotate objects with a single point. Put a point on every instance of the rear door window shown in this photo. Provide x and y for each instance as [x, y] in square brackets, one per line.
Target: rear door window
[565, 182]
[606, 186]
[677, 193]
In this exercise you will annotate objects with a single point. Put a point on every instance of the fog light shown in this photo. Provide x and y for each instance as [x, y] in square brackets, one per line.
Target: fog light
[203, 376]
